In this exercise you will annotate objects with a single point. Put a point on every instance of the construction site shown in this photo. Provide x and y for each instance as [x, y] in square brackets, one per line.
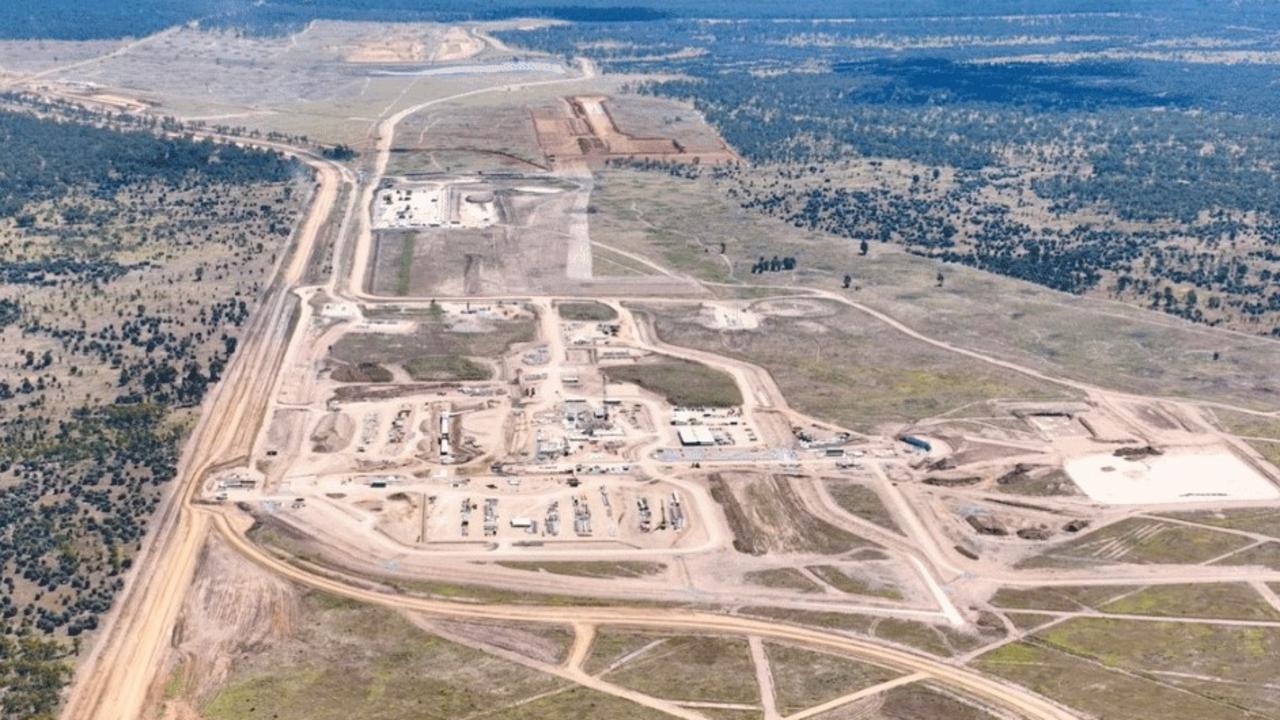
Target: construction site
[498, 411]
[582, 129]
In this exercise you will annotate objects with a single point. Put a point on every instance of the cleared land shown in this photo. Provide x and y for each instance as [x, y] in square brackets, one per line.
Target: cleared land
[434, 351]
[1175, 477]
[502, 235]
[841, 580]
[363, 372]
[765, 515]
[446, 367]
[307, 552]
[833, 362]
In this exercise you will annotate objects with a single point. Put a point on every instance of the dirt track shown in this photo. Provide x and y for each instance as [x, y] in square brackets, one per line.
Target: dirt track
[115, 680]
[117, 676]
[968, 681]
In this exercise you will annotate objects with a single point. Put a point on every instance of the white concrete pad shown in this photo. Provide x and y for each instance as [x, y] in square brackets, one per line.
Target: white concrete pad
[1178, 476]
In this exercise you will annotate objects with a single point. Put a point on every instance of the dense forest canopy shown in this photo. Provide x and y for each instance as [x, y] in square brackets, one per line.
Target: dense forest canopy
[44, 159]
[79, 20]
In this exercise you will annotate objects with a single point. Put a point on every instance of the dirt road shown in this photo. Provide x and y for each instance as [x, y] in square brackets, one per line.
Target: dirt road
[113, 680]
[116, 677]
[384, 136]
[20, 81]
[964, 680]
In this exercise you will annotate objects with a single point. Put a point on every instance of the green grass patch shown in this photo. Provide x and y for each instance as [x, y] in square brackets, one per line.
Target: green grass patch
[841, 366]
[860, 501]
[921, 702]
[681, 382]
[1089, 688]
[1231, 652]
[404, 271]
[1265, 555]
[364, 372]
[347, 661]
[588, 311]
[1261, 520]
[589, 568]
[446, 367]
[1147, 670]
[1139, 541]
[1230, 601]
[785, 578]
[804, 678]
[612, 646]
[1029, 621]
[696, 668]
[576, 703]
[1062, 599]
[719, 713]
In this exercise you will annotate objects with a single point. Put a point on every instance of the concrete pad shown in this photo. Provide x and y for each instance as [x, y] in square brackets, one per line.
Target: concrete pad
[1177, 476]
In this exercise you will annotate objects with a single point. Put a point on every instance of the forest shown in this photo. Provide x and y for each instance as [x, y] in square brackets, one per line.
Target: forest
[1126, 154]
[78, 20]
[43, 160]
[129, 260]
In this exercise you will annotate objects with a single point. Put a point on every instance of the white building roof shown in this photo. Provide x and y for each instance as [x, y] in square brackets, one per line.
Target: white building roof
[696, 435]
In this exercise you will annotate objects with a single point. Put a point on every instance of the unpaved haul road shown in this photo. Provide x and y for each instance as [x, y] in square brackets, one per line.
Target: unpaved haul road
[384, 136]
[114, 681]
[967, 681]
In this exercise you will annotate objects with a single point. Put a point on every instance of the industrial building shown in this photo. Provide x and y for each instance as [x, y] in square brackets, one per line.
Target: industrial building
[696, 436]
